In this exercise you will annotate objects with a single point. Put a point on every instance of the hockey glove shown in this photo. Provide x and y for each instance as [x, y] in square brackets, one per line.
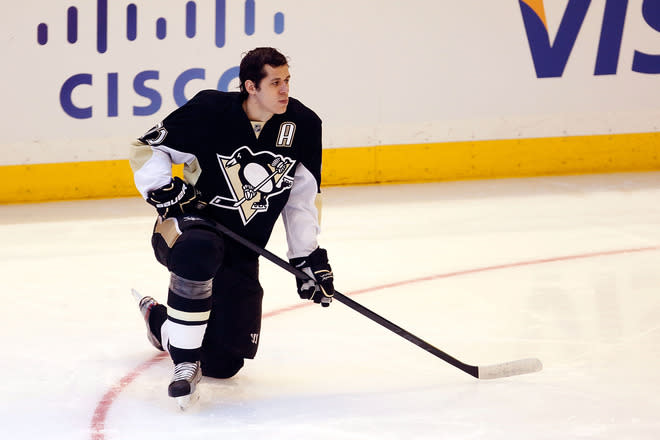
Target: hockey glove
[319, 287]
[173, 198]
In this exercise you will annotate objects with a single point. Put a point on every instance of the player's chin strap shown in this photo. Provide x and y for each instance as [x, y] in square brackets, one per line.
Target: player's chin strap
[513, 368]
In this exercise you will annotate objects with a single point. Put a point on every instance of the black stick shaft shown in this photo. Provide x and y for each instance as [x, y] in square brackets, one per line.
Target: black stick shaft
[470, 369]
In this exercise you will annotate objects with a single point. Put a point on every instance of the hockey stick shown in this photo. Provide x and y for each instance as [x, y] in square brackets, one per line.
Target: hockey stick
[495, 371]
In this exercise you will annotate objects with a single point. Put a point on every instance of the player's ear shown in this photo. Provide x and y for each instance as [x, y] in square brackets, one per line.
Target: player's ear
[250, 87]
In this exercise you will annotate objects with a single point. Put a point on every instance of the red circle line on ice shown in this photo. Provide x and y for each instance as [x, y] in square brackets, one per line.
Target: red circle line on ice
[104, 405]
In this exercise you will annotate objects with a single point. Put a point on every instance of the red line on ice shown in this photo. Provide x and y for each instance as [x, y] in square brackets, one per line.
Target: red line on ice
[102, 408]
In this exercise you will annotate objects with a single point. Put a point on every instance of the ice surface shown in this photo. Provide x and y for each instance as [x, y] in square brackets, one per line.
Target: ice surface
[560, 268]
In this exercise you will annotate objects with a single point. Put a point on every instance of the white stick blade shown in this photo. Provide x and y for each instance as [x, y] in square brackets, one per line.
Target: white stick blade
[513, 368]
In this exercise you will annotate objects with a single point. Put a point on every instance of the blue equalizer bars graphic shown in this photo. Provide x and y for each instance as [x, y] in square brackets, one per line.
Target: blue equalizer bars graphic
[161, 23]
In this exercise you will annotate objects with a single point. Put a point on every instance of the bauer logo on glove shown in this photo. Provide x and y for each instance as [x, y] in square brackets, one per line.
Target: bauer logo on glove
[171, 199]
[318, 287]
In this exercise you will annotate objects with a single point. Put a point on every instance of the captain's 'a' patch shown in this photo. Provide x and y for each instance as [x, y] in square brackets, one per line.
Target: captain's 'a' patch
[253, 179]
[285, 135]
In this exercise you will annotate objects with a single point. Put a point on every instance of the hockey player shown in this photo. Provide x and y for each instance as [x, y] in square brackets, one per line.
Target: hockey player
[248, 157]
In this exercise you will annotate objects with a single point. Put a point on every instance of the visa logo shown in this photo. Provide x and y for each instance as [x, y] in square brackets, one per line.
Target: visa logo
[550, 57]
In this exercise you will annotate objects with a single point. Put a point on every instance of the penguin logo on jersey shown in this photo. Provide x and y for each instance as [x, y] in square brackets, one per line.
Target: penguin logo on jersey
[253, 179]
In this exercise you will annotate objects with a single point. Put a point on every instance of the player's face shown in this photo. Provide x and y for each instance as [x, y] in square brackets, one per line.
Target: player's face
[272, 96]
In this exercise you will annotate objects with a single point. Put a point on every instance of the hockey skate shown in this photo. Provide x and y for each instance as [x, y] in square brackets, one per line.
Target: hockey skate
[184, 383]
[146, 303]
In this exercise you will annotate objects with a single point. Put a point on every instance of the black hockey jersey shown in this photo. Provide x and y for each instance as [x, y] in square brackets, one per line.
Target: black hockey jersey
[245, 180]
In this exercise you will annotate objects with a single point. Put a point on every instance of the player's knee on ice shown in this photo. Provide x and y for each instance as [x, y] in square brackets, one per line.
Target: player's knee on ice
[221, 367]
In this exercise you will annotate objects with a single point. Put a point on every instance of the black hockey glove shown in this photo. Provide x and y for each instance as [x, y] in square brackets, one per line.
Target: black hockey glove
[320, 287]
[173, 198]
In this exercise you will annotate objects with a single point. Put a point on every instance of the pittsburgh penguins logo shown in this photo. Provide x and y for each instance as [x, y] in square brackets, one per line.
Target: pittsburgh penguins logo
[155, 136]
[253, 179]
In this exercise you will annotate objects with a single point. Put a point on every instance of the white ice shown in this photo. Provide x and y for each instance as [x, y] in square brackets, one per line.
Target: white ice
[560, 268]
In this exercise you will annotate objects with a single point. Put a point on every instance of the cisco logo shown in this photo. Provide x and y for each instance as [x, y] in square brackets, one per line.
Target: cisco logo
[139, 81]
[550, 57]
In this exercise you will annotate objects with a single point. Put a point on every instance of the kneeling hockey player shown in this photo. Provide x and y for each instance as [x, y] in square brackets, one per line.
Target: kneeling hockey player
[249, 157]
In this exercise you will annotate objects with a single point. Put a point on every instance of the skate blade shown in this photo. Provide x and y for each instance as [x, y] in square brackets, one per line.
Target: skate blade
[136, 295]
[187, 401]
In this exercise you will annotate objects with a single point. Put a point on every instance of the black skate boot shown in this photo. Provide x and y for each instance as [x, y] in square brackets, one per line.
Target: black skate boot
[146, 303]
[184, 383]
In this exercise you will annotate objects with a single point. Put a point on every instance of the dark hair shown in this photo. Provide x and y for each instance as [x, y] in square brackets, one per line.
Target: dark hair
[252, 65]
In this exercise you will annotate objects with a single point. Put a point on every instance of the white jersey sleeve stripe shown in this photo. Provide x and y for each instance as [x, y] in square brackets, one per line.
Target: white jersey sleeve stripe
[300, 215]
[156, 171]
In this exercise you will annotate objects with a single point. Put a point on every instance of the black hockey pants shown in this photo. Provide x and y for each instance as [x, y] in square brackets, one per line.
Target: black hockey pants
[234, 325]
